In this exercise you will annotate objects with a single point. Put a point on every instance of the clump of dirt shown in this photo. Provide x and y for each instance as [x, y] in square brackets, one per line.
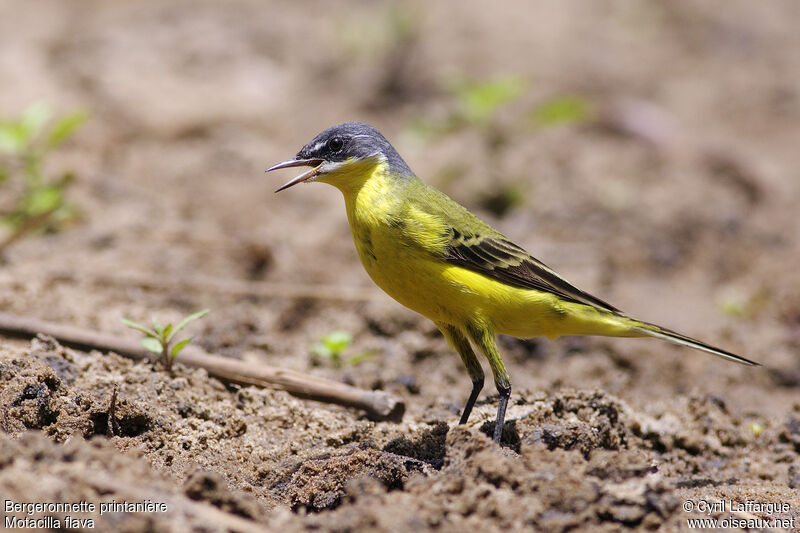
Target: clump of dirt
[35, 469]
[213, 488]
[426, 444]
[579, 420]
[540, 488]
[318, 483]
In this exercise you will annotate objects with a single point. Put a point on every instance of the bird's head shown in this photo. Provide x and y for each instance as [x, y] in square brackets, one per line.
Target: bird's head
[342, 153]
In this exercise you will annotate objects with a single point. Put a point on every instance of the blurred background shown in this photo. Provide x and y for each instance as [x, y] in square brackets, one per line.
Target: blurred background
[648, 151]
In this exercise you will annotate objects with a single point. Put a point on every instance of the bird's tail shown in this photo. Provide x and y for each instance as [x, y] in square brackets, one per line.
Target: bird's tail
[651, 330]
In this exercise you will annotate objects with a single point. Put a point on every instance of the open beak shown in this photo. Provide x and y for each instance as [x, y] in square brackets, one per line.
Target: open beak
[305, 176]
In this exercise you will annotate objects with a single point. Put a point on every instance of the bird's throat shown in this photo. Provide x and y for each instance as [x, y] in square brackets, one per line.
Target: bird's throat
[367, 188]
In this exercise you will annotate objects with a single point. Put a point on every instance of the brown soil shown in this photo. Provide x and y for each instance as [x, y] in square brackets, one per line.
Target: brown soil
[678, 202]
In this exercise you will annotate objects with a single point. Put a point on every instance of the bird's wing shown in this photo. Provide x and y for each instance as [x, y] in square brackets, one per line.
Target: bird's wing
[468, 242]
[498, 258]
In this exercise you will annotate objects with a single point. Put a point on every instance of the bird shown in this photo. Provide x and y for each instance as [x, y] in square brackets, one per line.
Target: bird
[435, 257]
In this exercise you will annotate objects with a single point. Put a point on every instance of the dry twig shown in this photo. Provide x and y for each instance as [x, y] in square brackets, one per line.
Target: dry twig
[378, 405]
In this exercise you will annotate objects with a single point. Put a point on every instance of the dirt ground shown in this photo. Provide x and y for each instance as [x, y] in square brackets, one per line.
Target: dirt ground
[676, 199]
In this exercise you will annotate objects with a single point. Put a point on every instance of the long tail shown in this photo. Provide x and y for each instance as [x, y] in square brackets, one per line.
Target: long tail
[651, 330]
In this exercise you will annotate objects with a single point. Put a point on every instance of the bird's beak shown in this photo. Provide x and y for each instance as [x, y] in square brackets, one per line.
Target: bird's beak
[316, 163]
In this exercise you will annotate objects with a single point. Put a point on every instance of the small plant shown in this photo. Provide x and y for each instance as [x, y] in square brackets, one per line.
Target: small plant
[34, 201]
[474, 104]
[756, 428]
[565, 109]
[159, 339]
[333, 345]
[479, 101]
[500, 111]
[482, 106]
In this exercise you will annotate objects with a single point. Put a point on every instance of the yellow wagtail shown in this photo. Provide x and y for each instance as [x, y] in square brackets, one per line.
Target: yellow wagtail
[435, 257]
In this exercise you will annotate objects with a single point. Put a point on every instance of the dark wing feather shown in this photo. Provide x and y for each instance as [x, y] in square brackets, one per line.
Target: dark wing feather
[502, 260]
[472, 244]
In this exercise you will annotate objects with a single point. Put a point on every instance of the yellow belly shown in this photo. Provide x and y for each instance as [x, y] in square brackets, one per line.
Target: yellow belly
[454, 295]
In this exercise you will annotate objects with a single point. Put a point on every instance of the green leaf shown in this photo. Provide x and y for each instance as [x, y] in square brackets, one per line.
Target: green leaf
[153, 345]
[194, 316]
[480, 100]
[562, 110]
[34, 118]
[320, 349]
[133, 325]
[178, 347]
[43, 199]
[166, 333]
[158, 328]
[337, 341]
[10, 141]
[65, 127]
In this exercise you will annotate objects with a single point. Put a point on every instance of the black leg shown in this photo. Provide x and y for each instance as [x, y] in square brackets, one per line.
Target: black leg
[505, 393]
[483, 337]
[476, 389]
[459, 342]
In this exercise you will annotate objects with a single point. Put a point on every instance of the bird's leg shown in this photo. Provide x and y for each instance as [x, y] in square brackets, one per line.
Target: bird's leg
[459, 342]
[484, 339]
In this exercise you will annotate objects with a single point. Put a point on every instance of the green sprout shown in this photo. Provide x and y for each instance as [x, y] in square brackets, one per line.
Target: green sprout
[34, 201]
[756, 428]
[333, 345]
[475, 104]
[159, 339]
[479, 101]
[499, 110]
[566, 109]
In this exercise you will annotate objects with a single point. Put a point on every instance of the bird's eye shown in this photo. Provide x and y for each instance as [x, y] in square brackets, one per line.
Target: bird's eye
[335, 144]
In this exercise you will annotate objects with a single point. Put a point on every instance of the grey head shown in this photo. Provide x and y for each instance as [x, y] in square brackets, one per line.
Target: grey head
[338, 144]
